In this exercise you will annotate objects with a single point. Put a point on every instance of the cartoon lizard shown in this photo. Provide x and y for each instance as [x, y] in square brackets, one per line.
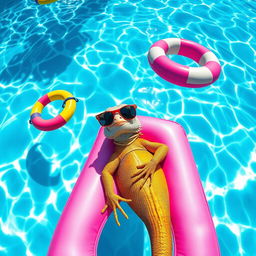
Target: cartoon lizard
[135, 164]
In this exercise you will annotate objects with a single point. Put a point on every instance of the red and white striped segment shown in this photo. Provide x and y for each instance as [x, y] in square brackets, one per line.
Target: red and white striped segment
[180, 74]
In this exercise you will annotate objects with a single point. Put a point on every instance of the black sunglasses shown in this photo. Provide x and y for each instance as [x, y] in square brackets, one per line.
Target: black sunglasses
[127, 112]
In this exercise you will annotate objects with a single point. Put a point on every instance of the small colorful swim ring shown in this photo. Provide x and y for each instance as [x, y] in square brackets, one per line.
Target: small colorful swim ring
[45, 1]
[180, 74]
[69, 106]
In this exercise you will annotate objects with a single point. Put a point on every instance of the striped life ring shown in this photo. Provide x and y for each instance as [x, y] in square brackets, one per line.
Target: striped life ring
[180, 74]
[69, 106]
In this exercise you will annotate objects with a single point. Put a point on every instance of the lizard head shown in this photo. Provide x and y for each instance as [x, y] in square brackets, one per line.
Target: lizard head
[119, 121]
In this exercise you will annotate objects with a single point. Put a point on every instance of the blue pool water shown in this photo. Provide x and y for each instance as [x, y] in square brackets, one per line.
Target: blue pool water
[97, 50]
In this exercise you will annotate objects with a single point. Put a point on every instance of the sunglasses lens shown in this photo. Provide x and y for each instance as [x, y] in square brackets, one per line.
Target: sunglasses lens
[128, 112]
[106, 118]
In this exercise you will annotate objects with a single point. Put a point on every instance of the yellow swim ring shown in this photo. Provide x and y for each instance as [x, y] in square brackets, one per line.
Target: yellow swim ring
[45, 1]
[69, 107]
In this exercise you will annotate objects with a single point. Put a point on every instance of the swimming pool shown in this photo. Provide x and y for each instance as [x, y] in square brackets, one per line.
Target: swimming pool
[97, 51]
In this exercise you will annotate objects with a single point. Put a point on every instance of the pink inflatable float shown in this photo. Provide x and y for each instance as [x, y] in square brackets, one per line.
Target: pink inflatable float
[80, 226]
[179, 74]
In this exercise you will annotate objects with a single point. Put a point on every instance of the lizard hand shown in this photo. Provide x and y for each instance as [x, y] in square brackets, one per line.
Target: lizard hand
[113, 203]
[145, 172]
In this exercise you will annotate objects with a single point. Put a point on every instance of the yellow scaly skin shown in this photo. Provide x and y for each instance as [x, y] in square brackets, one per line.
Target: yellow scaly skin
[149, 197]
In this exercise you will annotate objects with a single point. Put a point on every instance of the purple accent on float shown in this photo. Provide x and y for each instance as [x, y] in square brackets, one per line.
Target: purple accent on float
[44, 100]
[48, 125]
[162, 44]
[215, 69]
[34, 115]
[171, 71]
[192, 50]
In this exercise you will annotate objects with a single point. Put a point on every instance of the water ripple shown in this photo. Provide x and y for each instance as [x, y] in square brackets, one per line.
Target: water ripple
[97, 50]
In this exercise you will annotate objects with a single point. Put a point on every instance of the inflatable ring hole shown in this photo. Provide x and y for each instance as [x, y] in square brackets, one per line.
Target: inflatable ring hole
[183, 60]
[135, 227]
[52, 109]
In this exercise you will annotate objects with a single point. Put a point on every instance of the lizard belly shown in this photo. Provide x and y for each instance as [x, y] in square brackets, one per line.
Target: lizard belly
[151, 203]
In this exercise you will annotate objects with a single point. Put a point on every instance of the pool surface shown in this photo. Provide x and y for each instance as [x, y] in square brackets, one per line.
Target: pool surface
[97, 50]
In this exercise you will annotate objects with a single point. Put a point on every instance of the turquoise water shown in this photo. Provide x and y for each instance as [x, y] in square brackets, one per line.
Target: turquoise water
[97, 51]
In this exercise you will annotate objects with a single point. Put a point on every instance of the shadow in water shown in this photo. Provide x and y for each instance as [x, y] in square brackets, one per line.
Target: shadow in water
[39, 168]
[41, 41]
[6, 4]
[104, 154]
